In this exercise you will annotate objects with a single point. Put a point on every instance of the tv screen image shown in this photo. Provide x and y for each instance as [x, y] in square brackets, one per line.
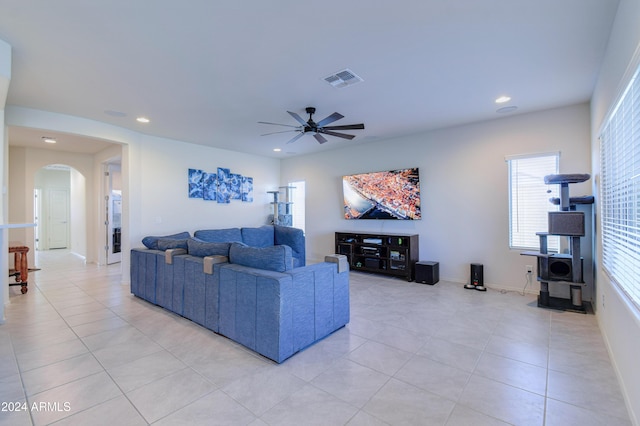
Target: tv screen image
[392, 194]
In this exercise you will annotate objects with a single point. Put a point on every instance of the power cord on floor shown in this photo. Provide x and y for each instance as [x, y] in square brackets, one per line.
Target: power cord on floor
[527, 277]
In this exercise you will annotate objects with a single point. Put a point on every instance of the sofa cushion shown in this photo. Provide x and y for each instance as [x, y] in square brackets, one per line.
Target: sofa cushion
[294, 238]
[170, 243]
[151, 242]
[199, 248]
[273, 258]
[258, 237]
[228, 235]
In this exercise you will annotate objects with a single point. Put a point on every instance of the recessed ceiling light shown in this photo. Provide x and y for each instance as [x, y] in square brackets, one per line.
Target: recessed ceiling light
[142, 120]
[503, 99]
[277, 149]
[48, 139]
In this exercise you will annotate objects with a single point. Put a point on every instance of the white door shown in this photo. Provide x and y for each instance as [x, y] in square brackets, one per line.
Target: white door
[114, 227]
[113, 211]
[58, 218]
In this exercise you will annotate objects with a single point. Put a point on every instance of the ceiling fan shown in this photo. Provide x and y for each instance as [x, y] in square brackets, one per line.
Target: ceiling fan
[318, 128]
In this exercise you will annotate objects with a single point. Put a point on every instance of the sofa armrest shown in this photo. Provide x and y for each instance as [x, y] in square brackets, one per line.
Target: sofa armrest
[340, 259]
[169, 253]
[209, 261]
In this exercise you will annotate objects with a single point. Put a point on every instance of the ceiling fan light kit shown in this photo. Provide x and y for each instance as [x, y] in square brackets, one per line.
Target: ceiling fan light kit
[318, 129]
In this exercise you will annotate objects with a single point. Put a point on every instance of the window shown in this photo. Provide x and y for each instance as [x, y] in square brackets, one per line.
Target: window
[620, 192]
[298, 198]
[529, 200]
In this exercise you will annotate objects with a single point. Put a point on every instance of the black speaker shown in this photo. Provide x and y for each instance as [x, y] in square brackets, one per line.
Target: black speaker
[427, 272]
[477, 274]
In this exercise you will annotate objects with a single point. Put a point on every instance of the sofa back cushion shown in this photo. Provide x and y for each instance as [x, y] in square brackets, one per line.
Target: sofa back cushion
[294, 238]
[272, 258]
[170, 243]
[199, 248]
[258, 237]
[151, 242]
[228, 235]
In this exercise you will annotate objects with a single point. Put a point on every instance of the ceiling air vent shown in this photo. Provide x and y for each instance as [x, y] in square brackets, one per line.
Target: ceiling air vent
[343, 78]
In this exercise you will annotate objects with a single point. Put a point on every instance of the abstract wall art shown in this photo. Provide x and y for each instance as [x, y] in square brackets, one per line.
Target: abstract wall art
[224, 185]
[247, 189]
[221, 186]
[195, 183]
[210, 186]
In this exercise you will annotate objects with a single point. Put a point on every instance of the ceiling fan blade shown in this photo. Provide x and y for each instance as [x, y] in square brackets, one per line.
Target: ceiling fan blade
[320, 138]
[296, 137]
[284, 131]
[298, 118]
[340, 135]
[330, 119]
[346, 127]
[276, 124]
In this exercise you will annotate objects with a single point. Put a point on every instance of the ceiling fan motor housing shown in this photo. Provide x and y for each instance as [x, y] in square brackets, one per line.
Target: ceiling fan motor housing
[313, 127]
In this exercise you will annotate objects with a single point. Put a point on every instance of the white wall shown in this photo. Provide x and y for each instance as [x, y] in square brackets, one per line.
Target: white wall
[5, 78]
[619, 321]
[463, 184]
[161, 168]
[78, 213]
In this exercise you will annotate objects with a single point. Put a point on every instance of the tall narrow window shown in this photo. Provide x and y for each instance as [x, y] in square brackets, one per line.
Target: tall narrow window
[620, 192]
[529, 200]
[298, 198]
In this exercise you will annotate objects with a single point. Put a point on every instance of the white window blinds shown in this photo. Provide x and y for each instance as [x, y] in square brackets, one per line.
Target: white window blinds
[529, 200]
[620, 192]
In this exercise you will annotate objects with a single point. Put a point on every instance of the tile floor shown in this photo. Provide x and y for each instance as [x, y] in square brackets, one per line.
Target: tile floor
[78, 349]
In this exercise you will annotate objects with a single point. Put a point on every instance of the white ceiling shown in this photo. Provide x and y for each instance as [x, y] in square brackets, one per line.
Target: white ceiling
[207, 71]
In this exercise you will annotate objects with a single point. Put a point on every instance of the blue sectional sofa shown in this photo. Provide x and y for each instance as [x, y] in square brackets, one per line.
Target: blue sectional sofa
[246, 285]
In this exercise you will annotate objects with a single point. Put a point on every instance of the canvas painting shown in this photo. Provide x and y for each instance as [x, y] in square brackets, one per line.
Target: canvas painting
[195, 183]
[210, 186]
[247, 189]
[235, 186]
[221, 186]
[224, 191]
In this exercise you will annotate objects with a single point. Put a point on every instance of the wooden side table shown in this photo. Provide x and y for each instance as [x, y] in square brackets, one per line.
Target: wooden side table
[21, 267]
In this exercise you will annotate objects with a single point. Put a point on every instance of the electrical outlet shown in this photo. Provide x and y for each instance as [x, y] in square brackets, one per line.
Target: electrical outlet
[529, 269]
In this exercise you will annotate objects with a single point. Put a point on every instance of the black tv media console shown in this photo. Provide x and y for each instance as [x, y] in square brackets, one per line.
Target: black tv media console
[391, 254]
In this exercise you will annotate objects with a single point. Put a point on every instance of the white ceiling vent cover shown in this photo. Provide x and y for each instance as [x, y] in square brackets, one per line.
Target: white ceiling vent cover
[343, 78]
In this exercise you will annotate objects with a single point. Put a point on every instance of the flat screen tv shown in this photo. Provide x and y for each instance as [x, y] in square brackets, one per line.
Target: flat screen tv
[392, 194]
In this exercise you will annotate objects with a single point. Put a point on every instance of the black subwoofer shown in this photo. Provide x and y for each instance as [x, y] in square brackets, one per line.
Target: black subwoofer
[427, 272]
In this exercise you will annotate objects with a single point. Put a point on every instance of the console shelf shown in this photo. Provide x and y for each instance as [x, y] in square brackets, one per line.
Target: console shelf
[391, 254]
